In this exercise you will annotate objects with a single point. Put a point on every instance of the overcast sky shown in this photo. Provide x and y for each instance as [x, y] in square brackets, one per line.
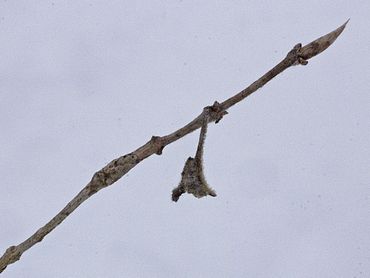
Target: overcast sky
[84, 82]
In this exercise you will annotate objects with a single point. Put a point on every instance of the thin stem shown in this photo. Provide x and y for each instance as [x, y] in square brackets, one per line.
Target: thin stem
[202, 138]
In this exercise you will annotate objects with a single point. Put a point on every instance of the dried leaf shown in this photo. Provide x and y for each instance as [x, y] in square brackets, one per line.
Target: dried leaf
[192, 181]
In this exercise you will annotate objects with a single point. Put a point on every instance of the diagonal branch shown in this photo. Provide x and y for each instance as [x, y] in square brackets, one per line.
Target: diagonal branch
[120, 166]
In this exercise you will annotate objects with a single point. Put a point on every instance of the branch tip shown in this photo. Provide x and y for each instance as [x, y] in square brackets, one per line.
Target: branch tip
[319, 45]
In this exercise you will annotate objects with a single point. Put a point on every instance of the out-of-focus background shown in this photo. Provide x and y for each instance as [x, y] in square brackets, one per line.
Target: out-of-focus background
[84, 82]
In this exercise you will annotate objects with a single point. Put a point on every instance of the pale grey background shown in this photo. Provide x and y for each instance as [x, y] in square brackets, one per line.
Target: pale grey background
[83, 82]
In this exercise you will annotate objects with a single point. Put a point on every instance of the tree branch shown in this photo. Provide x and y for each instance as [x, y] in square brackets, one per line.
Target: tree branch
[120, 166]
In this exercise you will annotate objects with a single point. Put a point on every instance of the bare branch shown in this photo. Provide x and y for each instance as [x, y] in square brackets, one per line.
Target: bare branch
[120, 166]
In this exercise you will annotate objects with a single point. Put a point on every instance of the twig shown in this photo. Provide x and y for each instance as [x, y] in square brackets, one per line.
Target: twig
[120, 166]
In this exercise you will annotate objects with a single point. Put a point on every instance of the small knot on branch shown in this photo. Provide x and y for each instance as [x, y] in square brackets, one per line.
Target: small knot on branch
[158, 144]
[215, 112]
[294, 56]
[11, 255]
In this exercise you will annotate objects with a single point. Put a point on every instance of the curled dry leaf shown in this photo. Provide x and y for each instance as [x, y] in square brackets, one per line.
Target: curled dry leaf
[192, 181]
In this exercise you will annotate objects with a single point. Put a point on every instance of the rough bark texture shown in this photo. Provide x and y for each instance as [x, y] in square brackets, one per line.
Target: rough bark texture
[120, 166]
